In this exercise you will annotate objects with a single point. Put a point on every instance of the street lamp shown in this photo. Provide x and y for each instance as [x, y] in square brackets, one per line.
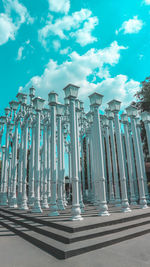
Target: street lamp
[52, 99]
[60, 113]
[114, 106]
[124, 119]
[38, 103]
[7, 110]
[20, 97]
[132, 113]
[95, 102]
[71, 92]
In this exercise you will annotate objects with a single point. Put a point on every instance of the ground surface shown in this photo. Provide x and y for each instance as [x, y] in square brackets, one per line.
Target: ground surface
[16, 252]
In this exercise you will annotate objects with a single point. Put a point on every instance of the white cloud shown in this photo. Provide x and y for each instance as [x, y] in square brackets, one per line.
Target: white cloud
[56, 44]
[20, 51]
[9, 24]
[66, 24]
[147, 2]
[20, 10]
[7, 29]
[84, 36]
[79, 68]
[61, 6]
[131, 26]
[65, 50]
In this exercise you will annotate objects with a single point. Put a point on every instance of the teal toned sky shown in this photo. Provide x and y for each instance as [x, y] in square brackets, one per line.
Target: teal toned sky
[100, 45]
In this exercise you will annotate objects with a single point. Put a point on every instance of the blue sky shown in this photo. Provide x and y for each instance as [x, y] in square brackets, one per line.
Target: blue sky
[101, 46]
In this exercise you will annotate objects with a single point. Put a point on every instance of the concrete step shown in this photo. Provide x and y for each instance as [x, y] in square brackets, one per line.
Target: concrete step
[61, 251]
[63, 222]
[68, 238]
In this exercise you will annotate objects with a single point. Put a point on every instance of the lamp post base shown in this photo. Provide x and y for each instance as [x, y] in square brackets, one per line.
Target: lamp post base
[76, 218]
[36, 210]
[53, 213]
[13, 203]
[125, 210]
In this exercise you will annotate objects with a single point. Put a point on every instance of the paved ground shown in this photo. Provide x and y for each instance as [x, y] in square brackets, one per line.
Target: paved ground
[16, 252]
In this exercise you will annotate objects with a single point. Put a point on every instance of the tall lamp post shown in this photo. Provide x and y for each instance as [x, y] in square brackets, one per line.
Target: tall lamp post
[132, 113]
[60, 112]
[13, 204]
[114, 105]
[124, 119]
[38, 103]
[52, 99]
[71, 92]
[95, 101]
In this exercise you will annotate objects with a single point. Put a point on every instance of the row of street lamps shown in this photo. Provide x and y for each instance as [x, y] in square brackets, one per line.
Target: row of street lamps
[105, 154]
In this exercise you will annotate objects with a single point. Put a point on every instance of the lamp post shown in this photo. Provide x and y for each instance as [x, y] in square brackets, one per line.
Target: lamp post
[60, 112]
[138, 128]
[109, 164]
[114, 105]
[13, 203]
[71, 92]
[89, 117]
[38, 104]
[9, 178]
[23, 205]
[132, 112]
[48, 161]
[2, 172]
[110, 116]
[52, 98]
[45, 202]
[124, 119]
[9, 126]
[95, 101]
[77, 104]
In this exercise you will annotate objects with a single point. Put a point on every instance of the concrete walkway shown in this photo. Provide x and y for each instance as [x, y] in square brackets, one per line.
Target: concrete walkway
[16, 252]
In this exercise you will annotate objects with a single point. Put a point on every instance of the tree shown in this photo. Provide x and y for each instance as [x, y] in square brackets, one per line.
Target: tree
[143, 104]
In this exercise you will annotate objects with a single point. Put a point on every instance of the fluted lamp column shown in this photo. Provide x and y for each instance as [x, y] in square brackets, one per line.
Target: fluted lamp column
[71, 92]
[109, 163]
[132, 113]
[95, 101]
[60, 112]
[114, 105]
[52, 99]
[13, 202]
[38, 103]
[124, 119]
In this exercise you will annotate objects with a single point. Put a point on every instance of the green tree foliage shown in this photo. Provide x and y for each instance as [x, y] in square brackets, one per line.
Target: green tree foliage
[143, 104]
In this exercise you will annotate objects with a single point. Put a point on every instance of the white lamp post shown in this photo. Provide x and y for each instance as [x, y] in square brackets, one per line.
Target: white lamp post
[2, 174]
[71, 92]
[114, 106]
[132, 113]
[138, 128]
[110, 116]
[60, 113]
[95, 101]
[38, 104]
[44, 156]
[32, 95]
[52, 99]
[109, 164]
[124, 119]
[14, 106]
[77, 104]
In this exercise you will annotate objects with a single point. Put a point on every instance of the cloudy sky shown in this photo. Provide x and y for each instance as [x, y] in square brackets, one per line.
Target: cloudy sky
[101, 46]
